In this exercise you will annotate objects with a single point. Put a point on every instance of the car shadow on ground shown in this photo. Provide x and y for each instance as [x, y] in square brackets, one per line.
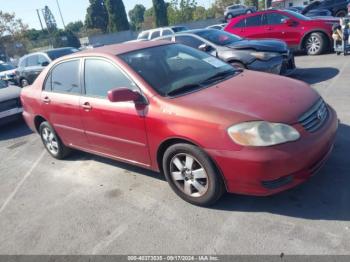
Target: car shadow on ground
[315, 75]
[13, 130]
[326, 196]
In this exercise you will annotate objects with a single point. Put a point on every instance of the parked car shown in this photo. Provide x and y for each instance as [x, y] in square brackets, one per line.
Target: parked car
[7, 72]
[298, 31]
[218, 26]
[318, 12]
[236, 10]
[208, 127]
[272, 56]
[31, 65]
[162, 31]
[336, 7]
[10, 105]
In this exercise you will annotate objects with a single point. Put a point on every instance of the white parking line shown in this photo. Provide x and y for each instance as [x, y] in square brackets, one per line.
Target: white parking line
[29, 172]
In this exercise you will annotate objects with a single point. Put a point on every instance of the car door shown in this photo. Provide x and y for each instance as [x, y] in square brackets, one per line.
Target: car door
[115, 129]
[60, 102]
[275, 26]
[253, 28]
[33, 68]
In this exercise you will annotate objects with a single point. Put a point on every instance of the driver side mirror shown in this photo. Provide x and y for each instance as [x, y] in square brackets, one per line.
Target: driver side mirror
[46, 63]
[205, 48]
[124, 94]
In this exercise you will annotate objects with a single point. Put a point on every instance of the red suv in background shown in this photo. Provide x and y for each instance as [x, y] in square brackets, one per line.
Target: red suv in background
[298, 31]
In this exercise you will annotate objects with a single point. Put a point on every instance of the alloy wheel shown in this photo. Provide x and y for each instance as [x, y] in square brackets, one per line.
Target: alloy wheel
[313, 44]
[50, 140]
[189, 175]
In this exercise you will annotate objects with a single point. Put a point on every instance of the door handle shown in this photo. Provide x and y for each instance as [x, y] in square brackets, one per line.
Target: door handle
[268, 28]
[86, 106]
[46, 100]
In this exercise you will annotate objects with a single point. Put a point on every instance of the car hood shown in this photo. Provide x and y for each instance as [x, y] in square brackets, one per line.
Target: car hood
[269, 45]
[248, 96]
[9, 92]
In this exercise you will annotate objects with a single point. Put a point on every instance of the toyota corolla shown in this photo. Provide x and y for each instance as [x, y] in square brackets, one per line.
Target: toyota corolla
[208, 127]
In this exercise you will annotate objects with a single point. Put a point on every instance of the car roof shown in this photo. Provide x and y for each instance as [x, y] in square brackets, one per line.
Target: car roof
[118, 49]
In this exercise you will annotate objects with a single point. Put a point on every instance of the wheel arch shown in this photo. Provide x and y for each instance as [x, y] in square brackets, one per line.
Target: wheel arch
[37, 121]
[306, 35]
[177, 140]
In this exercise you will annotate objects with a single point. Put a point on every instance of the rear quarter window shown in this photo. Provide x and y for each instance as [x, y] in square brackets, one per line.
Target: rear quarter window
[240, 24]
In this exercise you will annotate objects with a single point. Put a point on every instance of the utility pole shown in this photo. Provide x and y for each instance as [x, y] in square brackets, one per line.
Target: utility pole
[41, 24]
[59, 9]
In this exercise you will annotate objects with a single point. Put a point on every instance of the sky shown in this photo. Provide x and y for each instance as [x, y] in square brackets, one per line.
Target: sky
[72, 10]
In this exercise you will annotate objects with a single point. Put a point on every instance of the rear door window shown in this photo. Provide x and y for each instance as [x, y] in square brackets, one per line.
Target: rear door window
[33, 60]
[189, 41]
[155, 34]
[275, 18]
[64, 78]
[253, 21]
[240, 24]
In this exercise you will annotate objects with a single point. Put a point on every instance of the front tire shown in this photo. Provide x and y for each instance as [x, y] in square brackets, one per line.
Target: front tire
[315, 44]
[238, 65]
[341, 13]
[52, 142]
[192, 175]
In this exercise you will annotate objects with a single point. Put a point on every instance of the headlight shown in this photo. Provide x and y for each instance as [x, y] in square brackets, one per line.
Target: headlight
[262, 133]
[264, 55]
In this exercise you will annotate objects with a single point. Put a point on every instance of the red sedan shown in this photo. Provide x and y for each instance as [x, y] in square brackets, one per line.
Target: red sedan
[207, 126]
[298, 31]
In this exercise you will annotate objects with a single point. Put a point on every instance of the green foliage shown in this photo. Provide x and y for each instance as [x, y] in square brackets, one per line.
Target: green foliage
[97, 16]
[64, 38]
[75, 26]
[136, 16]
[252, 3]
[160, 13]
[117, 18]
[149, 12]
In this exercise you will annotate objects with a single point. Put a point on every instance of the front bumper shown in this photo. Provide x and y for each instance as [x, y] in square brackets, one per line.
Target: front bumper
[273, 65]
[269, 170]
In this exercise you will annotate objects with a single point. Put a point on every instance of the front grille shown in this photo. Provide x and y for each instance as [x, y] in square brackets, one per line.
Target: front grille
[9, 104]
[315, 117]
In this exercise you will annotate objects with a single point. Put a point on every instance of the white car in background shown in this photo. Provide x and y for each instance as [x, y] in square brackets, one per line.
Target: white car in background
[10, 104]
[161, 31]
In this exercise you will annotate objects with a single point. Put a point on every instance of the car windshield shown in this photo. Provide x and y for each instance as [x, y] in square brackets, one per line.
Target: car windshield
[5, 67]
[179, 28]
[56, 53]
[297, 15]
[176, 69]
[218, 37]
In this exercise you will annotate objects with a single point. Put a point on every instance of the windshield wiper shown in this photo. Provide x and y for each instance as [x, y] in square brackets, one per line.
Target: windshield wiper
[218, 76]
[184, 88]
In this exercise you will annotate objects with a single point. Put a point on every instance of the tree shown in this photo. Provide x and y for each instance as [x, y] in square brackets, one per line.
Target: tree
[160, 13]
[136, 16]
[75, 26]
[12, 35]
[252, 3]
[97, 16]
[64, 38]
[117, 18]
[149, 12]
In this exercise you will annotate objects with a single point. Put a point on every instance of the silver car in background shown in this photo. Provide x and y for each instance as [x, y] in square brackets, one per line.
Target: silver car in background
[236, 10]
[10, 104]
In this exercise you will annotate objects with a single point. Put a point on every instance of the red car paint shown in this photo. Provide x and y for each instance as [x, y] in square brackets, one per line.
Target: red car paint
[293, 34]
[135, 133]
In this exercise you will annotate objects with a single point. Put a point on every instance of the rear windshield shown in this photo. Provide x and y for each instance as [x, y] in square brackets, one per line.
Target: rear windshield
[5, 67]
[56, 53]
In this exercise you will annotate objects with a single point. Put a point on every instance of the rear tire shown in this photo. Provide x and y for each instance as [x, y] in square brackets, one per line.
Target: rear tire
[249, 11]
[229, 17]
[316, 44]
[52, 142]
[192, 175]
